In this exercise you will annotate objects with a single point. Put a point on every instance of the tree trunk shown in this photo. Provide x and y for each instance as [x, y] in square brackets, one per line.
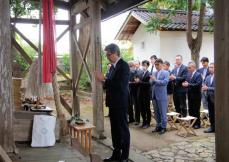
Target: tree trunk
[6, 103]
[59, 108]
[195, 44]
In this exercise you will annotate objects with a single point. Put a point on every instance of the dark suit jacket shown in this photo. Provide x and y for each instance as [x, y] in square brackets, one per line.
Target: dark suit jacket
[170, 86]
[117, 86]
[180, 78]
[211, 88]
[145, 85]
[201, 71]
[195, 84]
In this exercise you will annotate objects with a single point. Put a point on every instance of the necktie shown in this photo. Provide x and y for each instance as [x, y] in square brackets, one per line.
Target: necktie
[111, 71]
[178, 69]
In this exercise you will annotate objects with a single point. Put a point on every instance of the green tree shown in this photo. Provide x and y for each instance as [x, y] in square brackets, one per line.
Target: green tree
[20, 8]
[194, 43]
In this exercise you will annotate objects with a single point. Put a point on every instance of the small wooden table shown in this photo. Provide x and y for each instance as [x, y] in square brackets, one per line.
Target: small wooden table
[186, 124]
[83, 134]
[172, 118]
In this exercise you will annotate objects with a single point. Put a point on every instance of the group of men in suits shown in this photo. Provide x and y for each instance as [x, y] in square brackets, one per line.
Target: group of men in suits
[197, 85]
[129, 86]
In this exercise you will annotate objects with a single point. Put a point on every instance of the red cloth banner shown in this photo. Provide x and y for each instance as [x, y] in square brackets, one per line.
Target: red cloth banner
[49, 41]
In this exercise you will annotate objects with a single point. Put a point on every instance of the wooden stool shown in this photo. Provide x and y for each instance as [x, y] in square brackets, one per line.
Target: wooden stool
[204, 117]
[172, 118]
[186, 124]
[83, 134]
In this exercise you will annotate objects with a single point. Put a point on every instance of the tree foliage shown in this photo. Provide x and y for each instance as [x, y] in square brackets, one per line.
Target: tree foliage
[171, 6]
[20, 8]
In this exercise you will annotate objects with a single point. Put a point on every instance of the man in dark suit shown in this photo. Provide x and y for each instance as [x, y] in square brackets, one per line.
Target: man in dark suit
[194, 83]
[179, 75]
[204, 71]
[209, 88]
[170, 86]
[117, 84]
[135, 90]
[133, 73]
[144, 95]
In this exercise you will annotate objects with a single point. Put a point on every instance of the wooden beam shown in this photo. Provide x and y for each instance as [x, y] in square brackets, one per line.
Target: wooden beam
[62, 34]
[66, 105]
[60, 71]
[58, 3]
[81, 57]
[120, 7]
[36, 21]
[25, 38]
[97, 88]
[81, 65]
[221, 32]
[74, 67]
[3, 156]
[21, 51]
[79, 6]
[83, 24]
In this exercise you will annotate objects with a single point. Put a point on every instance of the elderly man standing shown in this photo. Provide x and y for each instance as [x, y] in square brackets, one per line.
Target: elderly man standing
[209, 88]
[160, 80]
[179, 75]
[117, 85]
[194, 83]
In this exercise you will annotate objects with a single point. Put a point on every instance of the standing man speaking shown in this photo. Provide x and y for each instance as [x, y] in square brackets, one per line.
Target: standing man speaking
[117, 85]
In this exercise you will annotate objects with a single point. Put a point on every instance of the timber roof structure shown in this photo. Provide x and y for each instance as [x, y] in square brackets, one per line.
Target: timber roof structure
[178, 21]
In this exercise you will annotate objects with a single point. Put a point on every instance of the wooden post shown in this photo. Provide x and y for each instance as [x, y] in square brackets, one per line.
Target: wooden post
[6, 103]
[74, 68]
[97, 89]
[222, 77]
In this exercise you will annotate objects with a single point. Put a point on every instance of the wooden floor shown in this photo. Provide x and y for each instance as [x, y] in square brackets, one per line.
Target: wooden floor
[60, 152]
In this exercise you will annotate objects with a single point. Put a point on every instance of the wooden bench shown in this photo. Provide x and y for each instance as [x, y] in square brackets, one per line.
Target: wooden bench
[186, 126]
[83, 134]
[172, 118]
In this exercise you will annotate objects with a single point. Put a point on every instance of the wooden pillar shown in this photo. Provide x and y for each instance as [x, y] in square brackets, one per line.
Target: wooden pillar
[97, 89]
[222, 79]
[6, 103]
[74, 67]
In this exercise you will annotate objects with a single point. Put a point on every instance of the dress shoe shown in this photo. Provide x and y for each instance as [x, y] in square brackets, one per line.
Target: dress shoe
[124, 160]
[136, 123]
[145, 126]
[209, 130]
[196, 127]
[157, 129]
[163, 130]
[111, 159]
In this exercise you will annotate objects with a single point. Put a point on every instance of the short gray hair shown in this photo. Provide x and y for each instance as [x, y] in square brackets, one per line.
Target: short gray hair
[192, 63]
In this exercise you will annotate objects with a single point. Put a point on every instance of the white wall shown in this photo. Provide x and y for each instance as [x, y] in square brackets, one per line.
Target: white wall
[151, 44]
[168, 44]
[174, 42]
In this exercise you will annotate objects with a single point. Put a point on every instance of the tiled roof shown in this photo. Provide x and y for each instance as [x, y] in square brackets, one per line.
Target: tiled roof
[178, 22]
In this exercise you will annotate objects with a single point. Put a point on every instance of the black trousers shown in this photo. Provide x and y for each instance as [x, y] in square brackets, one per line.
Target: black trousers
[136, 104]
[211, 111]
[194, 103]
[130, 108]
[145, 108]
[120, 131]
[179, 99]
